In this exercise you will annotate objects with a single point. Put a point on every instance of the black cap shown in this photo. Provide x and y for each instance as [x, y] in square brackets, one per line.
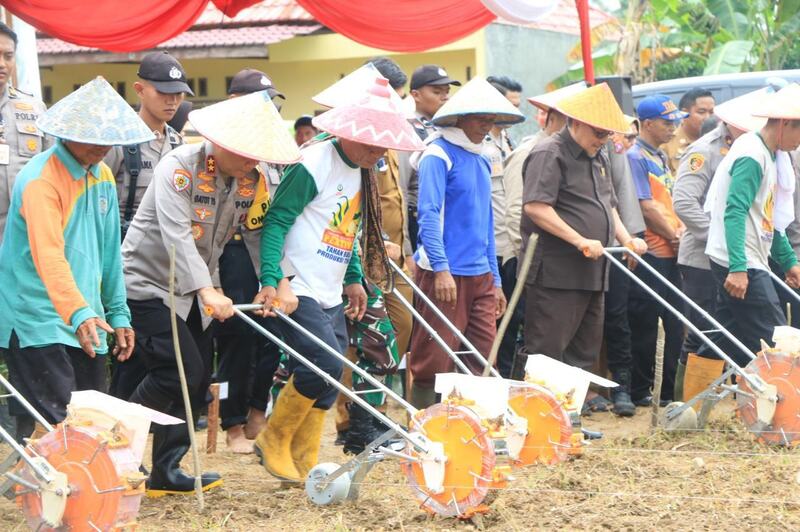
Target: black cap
[251, 80]
[431, 75]
[304, 120]
[164, 72]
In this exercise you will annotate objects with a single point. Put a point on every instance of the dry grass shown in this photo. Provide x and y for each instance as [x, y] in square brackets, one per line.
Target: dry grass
[633, 479]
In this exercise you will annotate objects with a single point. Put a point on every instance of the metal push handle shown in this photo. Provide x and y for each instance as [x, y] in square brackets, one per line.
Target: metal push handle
[240, 311]
[24, 402]
[785, 286]
[439, 314]
[755, 383]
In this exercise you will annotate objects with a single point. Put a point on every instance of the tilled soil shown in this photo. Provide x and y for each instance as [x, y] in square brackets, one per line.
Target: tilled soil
[632, 479]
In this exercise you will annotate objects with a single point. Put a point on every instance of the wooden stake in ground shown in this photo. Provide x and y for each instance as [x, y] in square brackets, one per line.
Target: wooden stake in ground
[213, 419]
[198, 481]
[658, 374]
[512, 304]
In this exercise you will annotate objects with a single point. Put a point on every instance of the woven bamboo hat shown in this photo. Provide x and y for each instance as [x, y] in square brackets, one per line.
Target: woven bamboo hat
[478, 97]
[374, 119]
[548, 100]
[352, 87]
[738, 112]
[782, 104]
[249, 126]
[597, 107]
[95, 114]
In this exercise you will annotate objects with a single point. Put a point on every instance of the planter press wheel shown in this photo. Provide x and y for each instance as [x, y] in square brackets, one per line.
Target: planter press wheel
[549, 426]
[470, 460]
[783, 371]
[105, 485]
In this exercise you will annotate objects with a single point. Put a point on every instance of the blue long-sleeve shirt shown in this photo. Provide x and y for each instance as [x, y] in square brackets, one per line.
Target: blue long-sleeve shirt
[454, 212]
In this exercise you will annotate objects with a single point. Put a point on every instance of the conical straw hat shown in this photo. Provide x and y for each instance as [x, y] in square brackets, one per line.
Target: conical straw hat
[597, 107]
[550, 99]
[738, 112]
[477, 97]
[249, 126]
[782, 104]
[351, 87]
[95, 114]
[375, 119]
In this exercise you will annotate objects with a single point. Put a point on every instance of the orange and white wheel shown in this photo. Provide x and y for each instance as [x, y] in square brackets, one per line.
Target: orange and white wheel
[781, 370]
[469, 465]
[549, 426]
[105, 486]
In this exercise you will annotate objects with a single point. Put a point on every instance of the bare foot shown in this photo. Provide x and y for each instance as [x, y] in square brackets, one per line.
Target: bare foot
[256, 421]
[236, 441]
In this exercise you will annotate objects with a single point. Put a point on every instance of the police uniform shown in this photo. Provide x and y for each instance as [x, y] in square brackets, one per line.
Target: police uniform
[695, 172]
[20, 139]
[149, 154]
[192, 206]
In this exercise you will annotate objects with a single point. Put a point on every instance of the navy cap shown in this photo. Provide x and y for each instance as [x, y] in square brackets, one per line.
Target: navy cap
[164, 72]
[431, 75]
[251, 80]
[659, 106]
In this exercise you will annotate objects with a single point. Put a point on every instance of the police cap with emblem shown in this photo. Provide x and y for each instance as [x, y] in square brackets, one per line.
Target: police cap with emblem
[431, 75]
[252, 80]
[164, 72]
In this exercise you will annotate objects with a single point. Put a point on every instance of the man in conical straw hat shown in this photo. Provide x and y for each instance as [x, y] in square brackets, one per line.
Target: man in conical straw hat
[61, 272]
[199, 196]
[570, 203]
[456, 258]
[310, 235]
[696, 168]
[750, 203]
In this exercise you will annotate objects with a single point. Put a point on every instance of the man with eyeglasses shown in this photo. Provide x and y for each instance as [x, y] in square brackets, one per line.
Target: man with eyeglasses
[569, 201]
[659, 118]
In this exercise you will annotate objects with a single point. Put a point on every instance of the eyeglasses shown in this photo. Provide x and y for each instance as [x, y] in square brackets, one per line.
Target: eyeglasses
[601, 134]
[631, 137]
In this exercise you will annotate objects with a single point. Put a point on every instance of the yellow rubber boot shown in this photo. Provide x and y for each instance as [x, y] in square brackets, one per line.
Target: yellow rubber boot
[307, 440]
[275, 441]
[699, 374]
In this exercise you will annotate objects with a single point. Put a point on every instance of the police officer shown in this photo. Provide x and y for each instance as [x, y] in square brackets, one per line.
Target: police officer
[247, 362]
[199, 196]
[20, 138]
[696, 169]
[161, 89]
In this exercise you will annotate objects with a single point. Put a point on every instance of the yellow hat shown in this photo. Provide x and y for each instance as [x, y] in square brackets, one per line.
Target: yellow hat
[782, 104]
[477, 97]
[249, 126]
[550, 99]
[738, 112]
[597, 107]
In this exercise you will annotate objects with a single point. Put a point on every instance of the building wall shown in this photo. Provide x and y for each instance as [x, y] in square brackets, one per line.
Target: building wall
[299, 67]
[532, 57]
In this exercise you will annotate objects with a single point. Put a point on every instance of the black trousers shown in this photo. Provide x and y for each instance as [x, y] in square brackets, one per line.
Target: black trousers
[413, 226]
[616, 328]
[784, 298]
[699, 286]
[510, 343]
[247, 360]
[750, 319]
[328, 325]
[47, 376]
[643, 314]
[161, 389]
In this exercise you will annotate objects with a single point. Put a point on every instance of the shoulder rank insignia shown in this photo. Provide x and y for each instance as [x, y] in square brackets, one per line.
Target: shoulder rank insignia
[181, 180]
[211, 164]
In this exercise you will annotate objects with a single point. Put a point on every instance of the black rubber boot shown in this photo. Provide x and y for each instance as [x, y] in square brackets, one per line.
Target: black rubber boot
[621, 395]
[362, 430]
[170, 445]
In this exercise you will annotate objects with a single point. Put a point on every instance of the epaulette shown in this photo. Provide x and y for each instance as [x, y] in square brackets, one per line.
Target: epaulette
[14, 92]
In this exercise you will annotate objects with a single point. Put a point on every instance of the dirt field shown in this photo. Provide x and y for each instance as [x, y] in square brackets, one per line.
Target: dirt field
[632, 479]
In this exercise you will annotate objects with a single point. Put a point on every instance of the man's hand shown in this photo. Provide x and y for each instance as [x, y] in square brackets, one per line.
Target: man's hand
[393, 250]
[87, 334]
[736, 284]
[266, 297]
[591, 249]
[411, 266]
[215, 304]
[124, 338]
[356, 301]
[444, 287]
[499, 302]
[638, 246]
[793, 276]
[286, 299]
